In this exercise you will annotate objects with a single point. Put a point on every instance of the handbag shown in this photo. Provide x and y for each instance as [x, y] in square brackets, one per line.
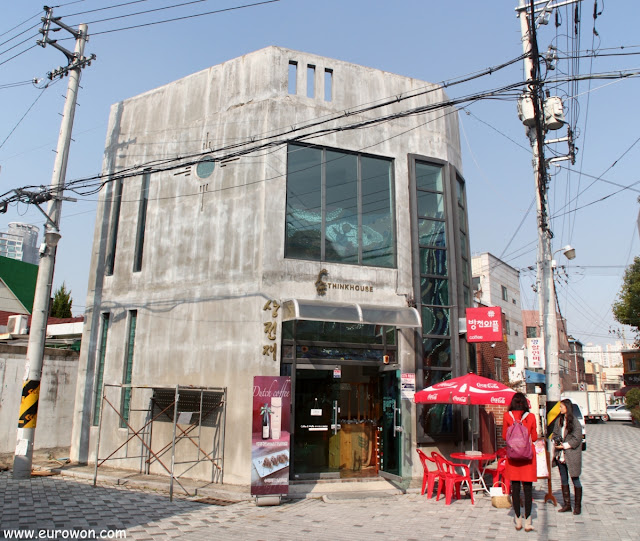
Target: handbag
[498, 498]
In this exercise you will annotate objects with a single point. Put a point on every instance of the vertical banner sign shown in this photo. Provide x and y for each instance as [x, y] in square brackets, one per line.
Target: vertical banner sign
[535, 349]
[270, 435]
[484, 324]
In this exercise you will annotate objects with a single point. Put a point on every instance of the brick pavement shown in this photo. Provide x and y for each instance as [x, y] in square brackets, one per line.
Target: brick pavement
[610, 476]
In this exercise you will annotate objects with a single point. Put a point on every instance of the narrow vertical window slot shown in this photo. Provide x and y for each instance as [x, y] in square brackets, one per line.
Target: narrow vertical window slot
[311, 81]
[97, 398]
[113, 241]
[142, 219]
[328, 85]
[125, 405]
[293, 75]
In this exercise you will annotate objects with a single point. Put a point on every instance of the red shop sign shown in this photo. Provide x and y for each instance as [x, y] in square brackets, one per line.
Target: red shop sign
[484, 324]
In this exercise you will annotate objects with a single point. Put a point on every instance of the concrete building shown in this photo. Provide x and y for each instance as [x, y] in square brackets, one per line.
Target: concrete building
[274, 234]
[566, 358]
[20, 242]
[497, 284]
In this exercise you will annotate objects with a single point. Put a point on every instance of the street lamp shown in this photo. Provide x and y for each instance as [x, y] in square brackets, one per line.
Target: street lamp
[568, 251]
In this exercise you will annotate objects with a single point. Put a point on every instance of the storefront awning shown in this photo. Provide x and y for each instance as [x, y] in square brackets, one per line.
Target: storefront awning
[312, 310]
[534, 377]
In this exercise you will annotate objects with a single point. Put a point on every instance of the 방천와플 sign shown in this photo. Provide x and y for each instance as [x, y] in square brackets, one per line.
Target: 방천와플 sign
[484, 324]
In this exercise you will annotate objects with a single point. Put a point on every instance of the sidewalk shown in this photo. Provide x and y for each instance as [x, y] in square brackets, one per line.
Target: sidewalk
[69, 502]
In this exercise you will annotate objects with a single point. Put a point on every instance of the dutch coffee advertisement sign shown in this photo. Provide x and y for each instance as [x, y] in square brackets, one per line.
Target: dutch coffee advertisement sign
[270, 435]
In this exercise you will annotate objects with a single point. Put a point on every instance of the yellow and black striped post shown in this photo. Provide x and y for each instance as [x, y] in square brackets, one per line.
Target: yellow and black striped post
[29, 404]
[553, 410]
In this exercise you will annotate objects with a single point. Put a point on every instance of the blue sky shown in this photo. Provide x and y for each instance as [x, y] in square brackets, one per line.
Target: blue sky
[428, 40]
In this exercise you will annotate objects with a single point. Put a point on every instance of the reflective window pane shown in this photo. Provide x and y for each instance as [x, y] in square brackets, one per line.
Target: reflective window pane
[463, 245]
[431, 233]
[428, 177]
[434, 291]
[462, 215]
[378, 244]
[437, 419]
[460, 192]
[437, 353]
[341, 207]
[435, 320]
[433, 261]
[430, 205]
[304, 203]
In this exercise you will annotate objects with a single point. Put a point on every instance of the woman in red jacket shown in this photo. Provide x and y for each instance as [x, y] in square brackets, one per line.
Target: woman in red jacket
[521, 471]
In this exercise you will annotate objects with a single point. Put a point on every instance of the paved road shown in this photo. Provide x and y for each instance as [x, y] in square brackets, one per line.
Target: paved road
[611, 510]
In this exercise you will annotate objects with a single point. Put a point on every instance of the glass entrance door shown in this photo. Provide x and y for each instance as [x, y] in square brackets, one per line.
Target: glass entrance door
[341, 423]
[391, 424]
[316, 447]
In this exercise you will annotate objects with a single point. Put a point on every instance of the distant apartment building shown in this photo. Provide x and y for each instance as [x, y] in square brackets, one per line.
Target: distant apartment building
[497, 284]
[20, 242]
[608, 355]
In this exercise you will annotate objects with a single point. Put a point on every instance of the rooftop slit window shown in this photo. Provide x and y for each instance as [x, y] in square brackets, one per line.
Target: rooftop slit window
[328, 85]
[311, 81]
[293, 75]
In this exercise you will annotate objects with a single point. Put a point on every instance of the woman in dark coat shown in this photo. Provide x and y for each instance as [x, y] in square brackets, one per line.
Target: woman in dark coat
[521, 471]
[568, 456]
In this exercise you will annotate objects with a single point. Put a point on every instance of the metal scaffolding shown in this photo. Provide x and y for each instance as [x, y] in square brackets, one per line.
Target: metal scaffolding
[188, 409]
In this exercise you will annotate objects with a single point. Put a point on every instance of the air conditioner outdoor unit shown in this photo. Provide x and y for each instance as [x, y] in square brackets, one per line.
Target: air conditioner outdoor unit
[17, 324]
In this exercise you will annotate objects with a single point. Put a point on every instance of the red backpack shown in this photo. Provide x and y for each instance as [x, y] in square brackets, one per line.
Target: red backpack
[519, 440]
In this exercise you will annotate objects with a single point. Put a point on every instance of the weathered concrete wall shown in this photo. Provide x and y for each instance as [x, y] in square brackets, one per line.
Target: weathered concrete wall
[57, 397]
[214, 248]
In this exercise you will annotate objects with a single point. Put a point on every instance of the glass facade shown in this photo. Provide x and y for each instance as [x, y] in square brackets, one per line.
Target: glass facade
[442, 252]
[340, 207]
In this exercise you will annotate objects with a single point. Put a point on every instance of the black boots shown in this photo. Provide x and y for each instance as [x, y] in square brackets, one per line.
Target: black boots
[566, 496]
[577, 508]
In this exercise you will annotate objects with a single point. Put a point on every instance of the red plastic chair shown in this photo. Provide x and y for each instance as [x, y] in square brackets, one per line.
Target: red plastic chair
[429, 477]
[498, 474]
[452, 479]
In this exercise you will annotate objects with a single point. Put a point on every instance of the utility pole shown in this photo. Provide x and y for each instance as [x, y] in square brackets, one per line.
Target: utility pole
[35, 350]
[533, 112]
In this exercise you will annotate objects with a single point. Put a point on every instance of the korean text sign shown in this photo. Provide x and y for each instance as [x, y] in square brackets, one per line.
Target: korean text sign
[484, 324]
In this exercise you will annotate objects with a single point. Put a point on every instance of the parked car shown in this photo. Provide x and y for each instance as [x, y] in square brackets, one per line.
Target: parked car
[618, 413]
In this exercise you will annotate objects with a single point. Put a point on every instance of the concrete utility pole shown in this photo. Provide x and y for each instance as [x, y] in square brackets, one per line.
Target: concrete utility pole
[532, 113]
[35, 350]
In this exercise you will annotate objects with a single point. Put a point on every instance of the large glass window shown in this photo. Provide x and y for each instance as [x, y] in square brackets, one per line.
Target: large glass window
[339, 207]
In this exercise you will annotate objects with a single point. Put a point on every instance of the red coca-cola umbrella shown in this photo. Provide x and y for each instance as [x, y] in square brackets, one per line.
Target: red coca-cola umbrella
[469, 389]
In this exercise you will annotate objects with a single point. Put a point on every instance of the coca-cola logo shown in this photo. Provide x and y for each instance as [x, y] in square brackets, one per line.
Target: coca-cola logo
[460, 399]
[498, 400]
[445, 385]
[487, 386]
[432, 397]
